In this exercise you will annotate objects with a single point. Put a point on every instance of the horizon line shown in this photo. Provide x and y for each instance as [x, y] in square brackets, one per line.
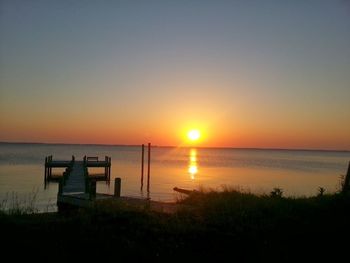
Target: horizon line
[171, 146]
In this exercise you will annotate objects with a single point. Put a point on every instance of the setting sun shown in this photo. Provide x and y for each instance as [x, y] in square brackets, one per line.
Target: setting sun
[193, 135]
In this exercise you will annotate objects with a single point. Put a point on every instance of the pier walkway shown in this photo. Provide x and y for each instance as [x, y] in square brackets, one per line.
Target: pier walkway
[75, 182]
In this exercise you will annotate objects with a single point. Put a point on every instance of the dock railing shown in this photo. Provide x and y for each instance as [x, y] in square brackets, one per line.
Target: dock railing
[93, 161]
[50, 163]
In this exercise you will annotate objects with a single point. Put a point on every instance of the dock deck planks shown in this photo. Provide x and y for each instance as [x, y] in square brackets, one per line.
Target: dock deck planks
[76, 180]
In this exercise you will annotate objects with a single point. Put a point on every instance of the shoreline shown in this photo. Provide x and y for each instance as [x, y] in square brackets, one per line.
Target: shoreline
[184, 147]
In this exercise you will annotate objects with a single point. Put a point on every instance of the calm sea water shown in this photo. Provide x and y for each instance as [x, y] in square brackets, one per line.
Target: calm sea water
[298, 173]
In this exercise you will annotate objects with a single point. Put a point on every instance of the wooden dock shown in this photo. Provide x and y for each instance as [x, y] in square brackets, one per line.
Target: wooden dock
[76, 186]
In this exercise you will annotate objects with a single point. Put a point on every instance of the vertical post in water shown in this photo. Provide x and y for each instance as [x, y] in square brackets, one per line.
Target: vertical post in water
[109, 168]
[45, 176]
[50, 167]
[106, 168]
[142, 161]
[45, 168]
[149, 165]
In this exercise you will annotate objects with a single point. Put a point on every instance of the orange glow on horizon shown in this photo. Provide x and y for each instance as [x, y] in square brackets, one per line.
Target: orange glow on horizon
[174, 132]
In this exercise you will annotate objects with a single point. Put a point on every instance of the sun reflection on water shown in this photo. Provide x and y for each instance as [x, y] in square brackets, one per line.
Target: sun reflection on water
[192, 165]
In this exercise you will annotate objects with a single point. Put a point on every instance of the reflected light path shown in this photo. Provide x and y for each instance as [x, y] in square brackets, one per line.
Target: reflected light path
[192, 165]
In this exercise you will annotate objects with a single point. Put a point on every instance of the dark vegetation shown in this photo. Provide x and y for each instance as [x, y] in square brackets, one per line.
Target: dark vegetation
[212, 226]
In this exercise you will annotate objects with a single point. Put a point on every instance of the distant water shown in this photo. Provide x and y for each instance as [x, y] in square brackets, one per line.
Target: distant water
[298, 173]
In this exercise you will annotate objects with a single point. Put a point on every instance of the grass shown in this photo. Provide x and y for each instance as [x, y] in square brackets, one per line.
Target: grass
[212, 226]
[12, 204]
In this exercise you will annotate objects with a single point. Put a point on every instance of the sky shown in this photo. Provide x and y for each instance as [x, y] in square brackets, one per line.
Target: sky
[261, 74]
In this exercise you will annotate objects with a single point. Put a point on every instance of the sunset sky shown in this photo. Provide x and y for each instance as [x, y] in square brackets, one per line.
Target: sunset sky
[272, 74]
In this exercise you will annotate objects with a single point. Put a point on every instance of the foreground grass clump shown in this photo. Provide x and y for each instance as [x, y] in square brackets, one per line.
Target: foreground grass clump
[15, 205]
[212, 225]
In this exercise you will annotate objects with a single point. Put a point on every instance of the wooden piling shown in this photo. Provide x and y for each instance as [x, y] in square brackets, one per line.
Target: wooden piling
[45, 173]
[149, 166]
[142, 162]
[50, 168]
[45, 168]
[109, 169]
[117, 186]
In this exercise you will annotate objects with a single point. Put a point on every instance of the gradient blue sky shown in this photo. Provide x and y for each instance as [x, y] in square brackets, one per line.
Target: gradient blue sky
[247, 73]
